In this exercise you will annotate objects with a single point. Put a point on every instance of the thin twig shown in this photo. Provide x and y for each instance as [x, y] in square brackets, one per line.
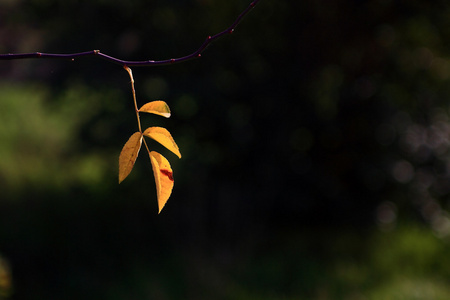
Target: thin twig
[144, 63]
[133, 91]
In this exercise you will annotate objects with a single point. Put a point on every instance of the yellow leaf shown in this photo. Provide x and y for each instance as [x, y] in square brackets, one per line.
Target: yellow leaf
[129, 154]
[163, 178]
[162, 136]
[156, 107]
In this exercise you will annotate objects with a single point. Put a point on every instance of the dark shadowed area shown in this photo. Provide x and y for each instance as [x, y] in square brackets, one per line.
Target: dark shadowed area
[315, 143]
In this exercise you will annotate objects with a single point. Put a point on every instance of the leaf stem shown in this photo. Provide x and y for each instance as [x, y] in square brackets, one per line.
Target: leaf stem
[133, 91]
[146, 146]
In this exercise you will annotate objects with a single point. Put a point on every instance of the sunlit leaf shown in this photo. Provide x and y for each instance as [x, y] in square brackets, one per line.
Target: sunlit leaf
[163, 178]
[156, 107]
[162, 136]
[129, 154]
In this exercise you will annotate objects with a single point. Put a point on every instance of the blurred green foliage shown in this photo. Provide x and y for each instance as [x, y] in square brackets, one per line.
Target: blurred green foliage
[315, 144]
[408, 263]
[40, 147]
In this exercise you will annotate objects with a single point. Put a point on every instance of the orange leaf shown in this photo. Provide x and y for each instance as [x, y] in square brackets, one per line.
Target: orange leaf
[156, 107]
[163, 178]
[162, 136]
[129, 154]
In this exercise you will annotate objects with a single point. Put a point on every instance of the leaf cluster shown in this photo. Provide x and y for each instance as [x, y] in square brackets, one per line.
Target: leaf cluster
[161, 167]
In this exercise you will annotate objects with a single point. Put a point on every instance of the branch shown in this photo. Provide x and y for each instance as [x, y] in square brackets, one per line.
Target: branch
[144, 63]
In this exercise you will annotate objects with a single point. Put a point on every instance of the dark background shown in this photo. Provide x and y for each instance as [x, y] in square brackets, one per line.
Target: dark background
[315, 143]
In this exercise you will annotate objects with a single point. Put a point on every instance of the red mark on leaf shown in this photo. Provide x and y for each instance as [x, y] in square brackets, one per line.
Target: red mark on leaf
[167, 173]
